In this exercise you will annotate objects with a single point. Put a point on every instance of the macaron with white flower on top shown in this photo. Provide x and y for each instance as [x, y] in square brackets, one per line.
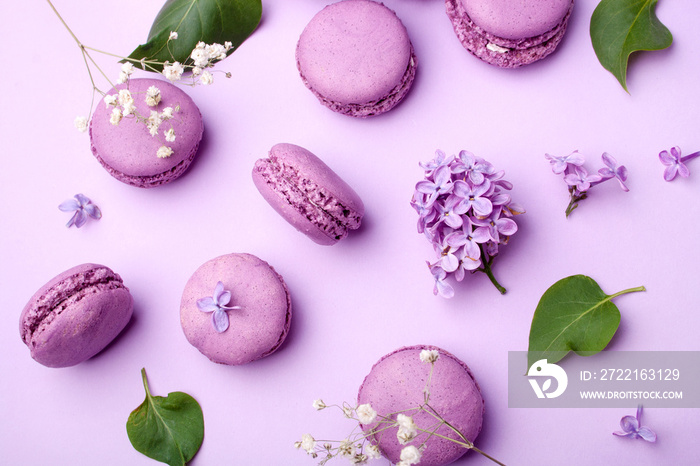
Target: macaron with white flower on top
[146, 132]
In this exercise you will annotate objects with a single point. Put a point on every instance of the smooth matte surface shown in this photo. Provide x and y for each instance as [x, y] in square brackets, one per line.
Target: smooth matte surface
[372, 292]
[356, 57]
[516, 19]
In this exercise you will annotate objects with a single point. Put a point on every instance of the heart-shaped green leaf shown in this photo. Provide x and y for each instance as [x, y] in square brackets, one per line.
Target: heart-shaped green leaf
[208, 21]
[169, 430]
[576, 315]
[620, 27]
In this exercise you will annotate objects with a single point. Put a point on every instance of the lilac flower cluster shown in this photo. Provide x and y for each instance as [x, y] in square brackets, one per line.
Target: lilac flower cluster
[579, 180]
[466, 214]
[675, 164]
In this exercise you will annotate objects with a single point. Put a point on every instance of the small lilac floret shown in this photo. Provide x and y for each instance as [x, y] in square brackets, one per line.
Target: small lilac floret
[580, 179]
[613, 170]
[675, 164]
[83, 208]
[631, 427]
[559, 164]
[455, 193]
[218, 305]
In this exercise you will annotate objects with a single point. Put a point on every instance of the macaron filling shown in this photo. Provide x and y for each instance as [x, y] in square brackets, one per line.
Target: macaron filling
[317, 204]
[62, 295]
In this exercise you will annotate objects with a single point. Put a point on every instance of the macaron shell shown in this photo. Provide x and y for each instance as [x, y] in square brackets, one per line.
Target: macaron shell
[83, 321]
[396, 383]
[315, 169]
[257, 329]
[500, 51]
[355, 54]
[517, 19]
[311, 168]
[128, 151]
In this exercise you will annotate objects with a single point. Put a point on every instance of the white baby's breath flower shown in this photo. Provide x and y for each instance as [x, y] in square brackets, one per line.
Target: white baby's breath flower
[128, 109]
[319, 405]
[373, 452]
[81, 123]
[358, 458]
[173, 72]
[125, 98]
[153, 122]
[123, 77]
[429, 355]
[116, 116]
[196, 71]
[128, 68]
[347, 410]
[216, 51]
[206, 78]
[346, 448]
[152, 96]
[365, 414]
[308, 443]
[173, 35]
[170, 135]
[200, 57]
[407, 429]
[164, 152]
[167, 113]
[110, 99]
[410, 455]
[228, 45]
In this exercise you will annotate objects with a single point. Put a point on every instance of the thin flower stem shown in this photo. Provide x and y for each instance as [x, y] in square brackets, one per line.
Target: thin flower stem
[690, 156]
[489, 273]
[64, 23]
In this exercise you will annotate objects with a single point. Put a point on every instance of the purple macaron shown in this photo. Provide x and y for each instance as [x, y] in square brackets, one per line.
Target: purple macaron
[396, 383]
[75, 315]
[509, 33]
[128, 150]
[308, 194]
[357, 58]
[235, 309]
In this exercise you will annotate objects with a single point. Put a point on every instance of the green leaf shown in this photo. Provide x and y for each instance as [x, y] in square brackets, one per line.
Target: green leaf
[576, 315]
[208, 21]
[169, 430]
[620, 27]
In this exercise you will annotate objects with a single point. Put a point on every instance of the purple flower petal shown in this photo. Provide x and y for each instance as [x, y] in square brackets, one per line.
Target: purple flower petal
[220, 320]
[224, 298]
[629, 424]
[83, 200]
[79, 218]
[666, 158]
[69, 206]
[93, 211]
[207, 304]
[647, 434]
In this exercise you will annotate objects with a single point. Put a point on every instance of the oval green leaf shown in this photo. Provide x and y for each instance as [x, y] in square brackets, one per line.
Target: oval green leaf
[576, 315]
[208, 21]
[621, 27]
[169, 430]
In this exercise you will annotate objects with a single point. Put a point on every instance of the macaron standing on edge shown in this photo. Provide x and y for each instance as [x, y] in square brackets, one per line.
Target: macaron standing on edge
[509, 33]
[395, 384]
[356, 57]
[130, 153]
[75, 315]
[308, 194]
[236, 309]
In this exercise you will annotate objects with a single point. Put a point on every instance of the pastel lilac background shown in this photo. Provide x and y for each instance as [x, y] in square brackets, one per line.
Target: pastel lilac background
[371, 293]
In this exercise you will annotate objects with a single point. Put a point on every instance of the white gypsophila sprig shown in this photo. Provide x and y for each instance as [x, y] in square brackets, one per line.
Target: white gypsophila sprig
[429, 356]
[363, 445]
[81, 123]
[365, 414]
